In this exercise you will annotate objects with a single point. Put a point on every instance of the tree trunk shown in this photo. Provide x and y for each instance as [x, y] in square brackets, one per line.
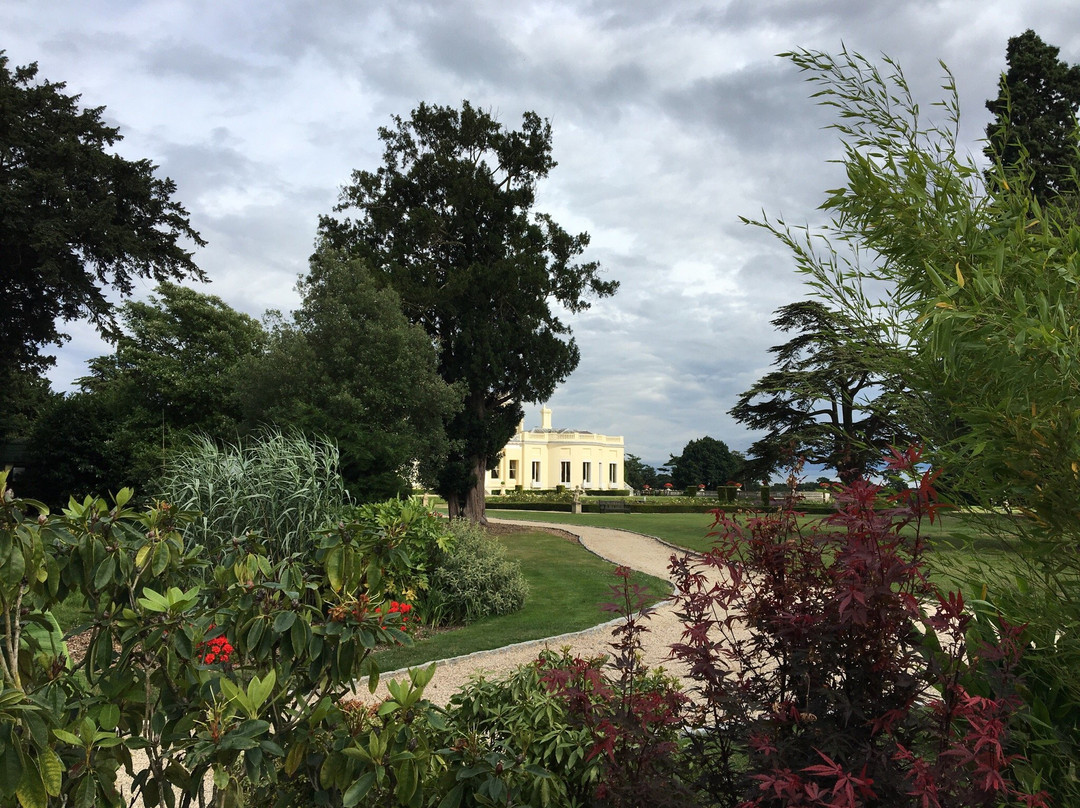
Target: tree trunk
[475, 507]
[453, 506]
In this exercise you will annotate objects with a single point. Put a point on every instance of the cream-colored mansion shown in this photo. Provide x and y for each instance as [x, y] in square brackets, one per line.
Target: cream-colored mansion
[545, 458]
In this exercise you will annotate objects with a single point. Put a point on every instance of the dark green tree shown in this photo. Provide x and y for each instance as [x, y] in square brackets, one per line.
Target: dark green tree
[637, 473]
[80, 444]
[350, 366]
[176, 360]
[174, 371]
[1034, 126]
[826, 401]
[25, 396]
[448, 222]
[74, 219]
[705, 461]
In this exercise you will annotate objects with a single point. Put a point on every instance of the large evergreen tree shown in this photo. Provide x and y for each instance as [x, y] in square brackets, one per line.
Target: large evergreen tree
[349, 366]
[637, 473]
[448, 222]
[705, 461]
[75, 219]
[827, 400]
[1034, 129]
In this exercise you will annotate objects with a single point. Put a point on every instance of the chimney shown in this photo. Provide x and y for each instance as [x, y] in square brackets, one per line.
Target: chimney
[545, 418]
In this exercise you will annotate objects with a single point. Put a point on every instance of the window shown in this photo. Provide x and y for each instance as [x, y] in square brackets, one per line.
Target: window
[536, 471]
[564, 471]
[586, 476]
[613, 473]
[495, 473]
[513, 470]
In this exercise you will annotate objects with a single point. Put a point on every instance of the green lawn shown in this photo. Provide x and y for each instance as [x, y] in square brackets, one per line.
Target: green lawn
[683, 529]
[960, 541]
[567, 584]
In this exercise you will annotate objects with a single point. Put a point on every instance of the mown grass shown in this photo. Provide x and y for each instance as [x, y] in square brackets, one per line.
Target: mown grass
[683, 529]
[961, 543]
[567, 584]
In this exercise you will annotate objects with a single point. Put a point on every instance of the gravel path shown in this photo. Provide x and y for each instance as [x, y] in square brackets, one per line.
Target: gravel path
[633, 550]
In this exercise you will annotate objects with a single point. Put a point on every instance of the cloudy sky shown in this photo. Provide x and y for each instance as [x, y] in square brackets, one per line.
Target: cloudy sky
[670, 121]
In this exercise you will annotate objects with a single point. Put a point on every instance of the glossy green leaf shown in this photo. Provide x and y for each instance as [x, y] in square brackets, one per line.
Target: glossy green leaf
[11, 766]
[283, 621]
[358, 790]
[160, 559]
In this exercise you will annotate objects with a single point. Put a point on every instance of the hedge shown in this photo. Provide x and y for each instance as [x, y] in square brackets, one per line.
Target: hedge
[635, 506]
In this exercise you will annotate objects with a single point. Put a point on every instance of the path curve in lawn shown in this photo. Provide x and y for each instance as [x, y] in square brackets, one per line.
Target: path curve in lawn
[644, 553]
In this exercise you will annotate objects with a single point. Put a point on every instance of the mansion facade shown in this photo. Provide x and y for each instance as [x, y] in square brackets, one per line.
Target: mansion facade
[545, 458]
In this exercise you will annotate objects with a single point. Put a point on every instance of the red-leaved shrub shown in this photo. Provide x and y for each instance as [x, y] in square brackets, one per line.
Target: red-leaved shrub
[827, 669]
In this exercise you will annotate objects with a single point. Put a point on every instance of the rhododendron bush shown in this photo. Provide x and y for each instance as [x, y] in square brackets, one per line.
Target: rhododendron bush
[234, 683]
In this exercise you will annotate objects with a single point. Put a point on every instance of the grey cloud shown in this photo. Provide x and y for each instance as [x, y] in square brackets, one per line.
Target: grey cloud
[761, 108]
[200, 63]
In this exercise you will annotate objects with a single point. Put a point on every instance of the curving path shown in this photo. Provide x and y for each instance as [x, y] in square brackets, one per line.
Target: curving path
[644, 553]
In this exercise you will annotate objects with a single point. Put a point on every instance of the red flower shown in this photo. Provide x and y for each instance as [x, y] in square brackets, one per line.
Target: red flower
[218, 649]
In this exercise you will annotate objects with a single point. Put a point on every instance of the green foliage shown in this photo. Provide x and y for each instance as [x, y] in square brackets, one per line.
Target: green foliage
[280, 487]
[535, 496]
[447, 222]
[727, 493]
[637, 473]
[175, 362]
[705, 461]
[475, 578]
[980, 322]
[74, 218]
[77, 444]
[350, 366]
[173, 371]
[1034, 131]
[399, 543]
[1047, 734]
[211, 681]
[828, 400]
[520, 715]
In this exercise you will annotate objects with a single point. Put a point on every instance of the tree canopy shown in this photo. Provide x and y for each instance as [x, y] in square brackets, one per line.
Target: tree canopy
[1034, 125]
[349, 366]
[75, 219]
[176, 360]
[637, 473]
[174, 371]
[704, 461]
[448, 222]
[828, 400]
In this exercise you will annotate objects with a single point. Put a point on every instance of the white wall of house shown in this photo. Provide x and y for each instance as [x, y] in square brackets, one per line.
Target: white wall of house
[544, 458]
